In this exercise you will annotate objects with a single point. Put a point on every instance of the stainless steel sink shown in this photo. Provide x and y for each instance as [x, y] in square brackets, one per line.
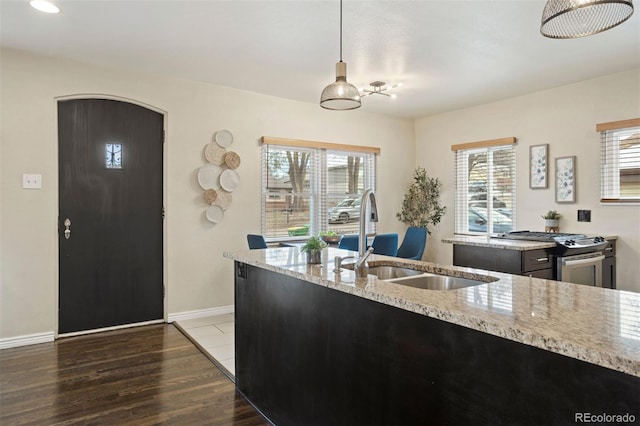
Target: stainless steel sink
[391, 272]
[420, 279]
[437, 282]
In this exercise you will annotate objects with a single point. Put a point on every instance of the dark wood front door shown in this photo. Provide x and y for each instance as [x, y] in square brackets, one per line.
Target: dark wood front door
[110, 190]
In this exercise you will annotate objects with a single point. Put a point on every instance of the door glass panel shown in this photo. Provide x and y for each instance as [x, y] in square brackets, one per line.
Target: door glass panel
[114, 156]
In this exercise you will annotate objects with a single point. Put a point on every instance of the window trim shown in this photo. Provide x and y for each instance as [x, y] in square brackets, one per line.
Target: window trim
[299, 143]
[484, 144]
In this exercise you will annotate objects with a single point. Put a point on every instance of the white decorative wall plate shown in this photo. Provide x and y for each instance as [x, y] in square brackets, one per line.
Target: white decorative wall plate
[224, 138]
[229, 180]
[215, 214]
[209, 176]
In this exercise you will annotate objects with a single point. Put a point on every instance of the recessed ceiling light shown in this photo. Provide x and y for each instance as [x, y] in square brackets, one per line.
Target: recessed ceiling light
[44, 6]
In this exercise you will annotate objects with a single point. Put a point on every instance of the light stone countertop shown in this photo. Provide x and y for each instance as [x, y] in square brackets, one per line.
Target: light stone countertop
[522, 245]
[599, 326]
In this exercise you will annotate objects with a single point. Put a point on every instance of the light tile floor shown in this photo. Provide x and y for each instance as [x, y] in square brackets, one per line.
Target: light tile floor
[215, 336]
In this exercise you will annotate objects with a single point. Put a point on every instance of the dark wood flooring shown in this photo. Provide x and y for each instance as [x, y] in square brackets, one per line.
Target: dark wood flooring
[138, 376]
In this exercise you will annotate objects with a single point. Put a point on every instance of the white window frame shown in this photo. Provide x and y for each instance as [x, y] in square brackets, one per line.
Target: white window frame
[610, 166]
[318, 178]
[461, 207]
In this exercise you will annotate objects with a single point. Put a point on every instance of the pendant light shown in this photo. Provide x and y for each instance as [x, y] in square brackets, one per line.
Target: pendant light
[340, 95]
[579, 18]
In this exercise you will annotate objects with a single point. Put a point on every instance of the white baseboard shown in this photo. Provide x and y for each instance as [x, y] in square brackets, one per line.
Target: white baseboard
[182, 316]
[33, 339]
[29, 339]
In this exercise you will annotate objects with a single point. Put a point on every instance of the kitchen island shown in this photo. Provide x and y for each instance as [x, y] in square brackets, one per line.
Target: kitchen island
[318, 347]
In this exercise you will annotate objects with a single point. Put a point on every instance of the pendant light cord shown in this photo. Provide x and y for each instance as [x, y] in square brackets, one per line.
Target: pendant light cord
[340, 30]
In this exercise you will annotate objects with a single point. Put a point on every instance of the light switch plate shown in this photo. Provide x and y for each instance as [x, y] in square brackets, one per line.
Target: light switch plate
[31, 181]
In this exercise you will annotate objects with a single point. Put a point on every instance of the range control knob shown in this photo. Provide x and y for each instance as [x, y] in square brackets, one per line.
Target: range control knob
[569, 242]
[598, 240]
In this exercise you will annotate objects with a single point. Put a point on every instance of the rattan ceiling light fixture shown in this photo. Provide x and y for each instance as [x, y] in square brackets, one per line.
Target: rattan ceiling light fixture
[340, 95]
[580, 18]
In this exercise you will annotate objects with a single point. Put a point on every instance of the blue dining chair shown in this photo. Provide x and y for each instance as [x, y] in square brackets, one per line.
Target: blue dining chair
[256, 242]
[349, 242]
[413, 244]
[386, 244]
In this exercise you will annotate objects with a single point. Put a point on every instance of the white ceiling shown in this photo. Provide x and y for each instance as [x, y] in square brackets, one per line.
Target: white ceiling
[448, 54]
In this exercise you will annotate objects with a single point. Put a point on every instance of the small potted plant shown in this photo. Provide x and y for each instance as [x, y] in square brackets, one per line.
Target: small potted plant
[551, 219]
[313, 247]
[330, 237]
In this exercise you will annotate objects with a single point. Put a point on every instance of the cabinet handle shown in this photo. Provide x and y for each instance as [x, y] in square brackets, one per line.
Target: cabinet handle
[608, 249]
[542, 259]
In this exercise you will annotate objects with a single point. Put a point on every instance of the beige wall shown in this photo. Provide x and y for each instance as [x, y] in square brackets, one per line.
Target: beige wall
[564, 118]
[198, 277]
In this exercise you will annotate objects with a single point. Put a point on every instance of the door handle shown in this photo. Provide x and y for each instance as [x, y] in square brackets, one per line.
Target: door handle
[67, 231]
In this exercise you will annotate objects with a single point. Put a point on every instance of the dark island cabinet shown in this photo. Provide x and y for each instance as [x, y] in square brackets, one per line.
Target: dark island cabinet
[537, 263]
[307, 354]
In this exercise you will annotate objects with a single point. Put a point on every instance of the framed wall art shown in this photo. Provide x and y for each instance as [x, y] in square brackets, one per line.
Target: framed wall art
[566, 179]
[538, 171]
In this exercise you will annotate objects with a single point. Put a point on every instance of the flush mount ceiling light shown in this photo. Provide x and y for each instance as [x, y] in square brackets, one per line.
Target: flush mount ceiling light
[580, 18]
[44, 6]
[380, 88]
[340, 95]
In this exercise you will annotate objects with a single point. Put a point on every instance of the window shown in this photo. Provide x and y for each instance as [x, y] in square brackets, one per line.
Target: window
[113, 156]
[485, 171]
[311, 187]
[620, 161]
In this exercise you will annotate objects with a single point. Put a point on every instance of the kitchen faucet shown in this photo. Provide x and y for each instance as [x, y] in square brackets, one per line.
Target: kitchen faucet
[361, 268]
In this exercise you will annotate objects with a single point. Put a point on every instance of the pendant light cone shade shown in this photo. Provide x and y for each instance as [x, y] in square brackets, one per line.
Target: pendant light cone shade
[580, 18]
[340, 95]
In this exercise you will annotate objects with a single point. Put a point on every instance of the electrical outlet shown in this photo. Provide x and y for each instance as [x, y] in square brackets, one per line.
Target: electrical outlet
[31, 181]
[584, 215]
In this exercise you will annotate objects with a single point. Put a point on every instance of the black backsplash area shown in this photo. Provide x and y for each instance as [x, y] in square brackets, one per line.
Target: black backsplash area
[584, 215]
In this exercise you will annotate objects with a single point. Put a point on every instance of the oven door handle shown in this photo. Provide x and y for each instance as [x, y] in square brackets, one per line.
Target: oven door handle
[583, 261]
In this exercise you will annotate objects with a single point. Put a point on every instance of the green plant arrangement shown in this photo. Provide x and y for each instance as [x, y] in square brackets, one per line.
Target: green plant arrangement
[329, 236]
[551, 214]
[421, 205]
[313, 247]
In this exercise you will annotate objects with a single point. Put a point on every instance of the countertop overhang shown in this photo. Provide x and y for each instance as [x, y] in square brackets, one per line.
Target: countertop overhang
[595, 325]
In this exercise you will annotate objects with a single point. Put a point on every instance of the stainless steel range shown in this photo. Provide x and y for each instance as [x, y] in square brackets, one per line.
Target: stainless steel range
[578, 258]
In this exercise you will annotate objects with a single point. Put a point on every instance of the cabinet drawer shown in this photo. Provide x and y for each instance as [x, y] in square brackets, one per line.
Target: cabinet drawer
[547, 274]
[533, 260]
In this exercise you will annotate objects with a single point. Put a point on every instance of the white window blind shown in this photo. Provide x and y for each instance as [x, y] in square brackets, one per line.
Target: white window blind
[307, 190]
[288, 195]
[485, 173]
[620, 161]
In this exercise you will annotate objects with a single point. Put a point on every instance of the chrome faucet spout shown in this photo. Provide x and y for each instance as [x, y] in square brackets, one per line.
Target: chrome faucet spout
[370, 198]
[338, 263]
